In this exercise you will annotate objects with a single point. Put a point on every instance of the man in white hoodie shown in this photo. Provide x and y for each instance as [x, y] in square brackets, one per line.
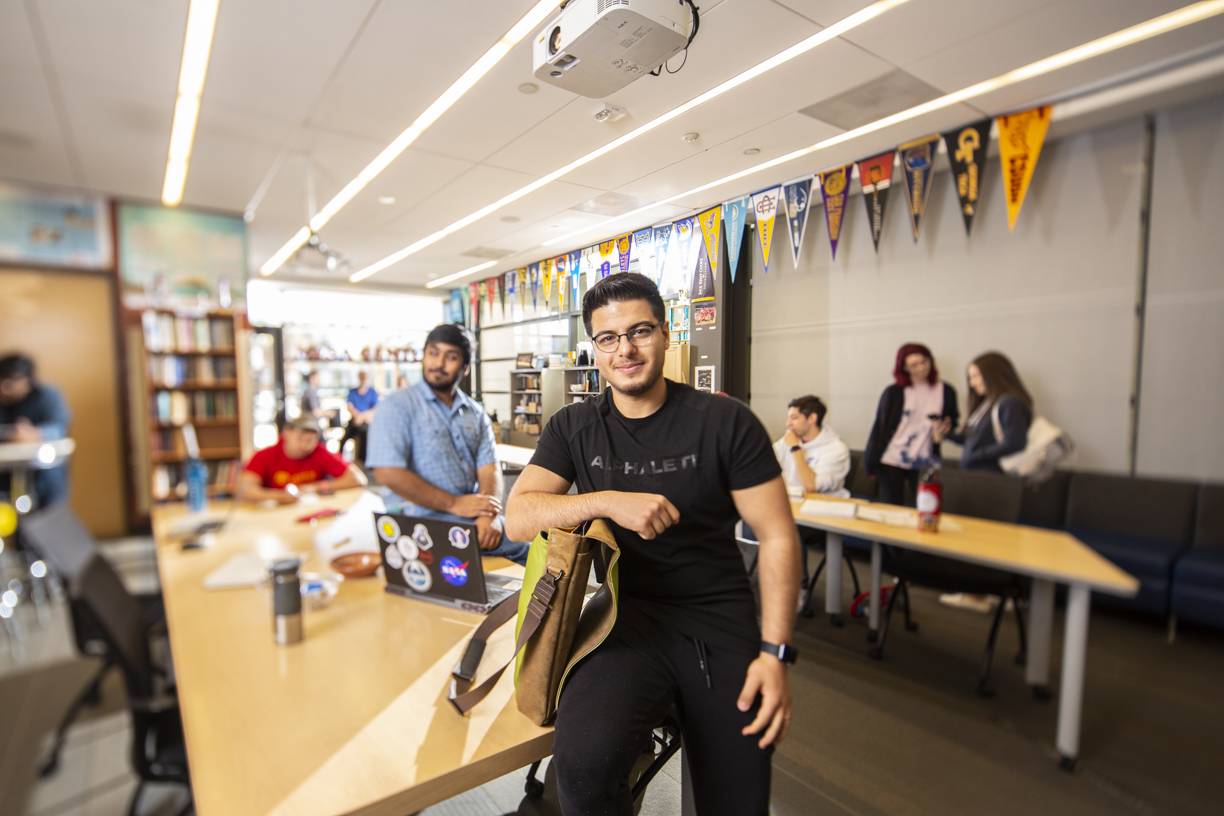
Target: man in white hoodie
[812, 456]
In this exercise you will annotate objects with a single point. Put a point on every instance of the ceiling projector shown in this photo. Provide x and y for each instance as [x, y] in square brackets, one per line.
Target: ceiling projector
[596, 47]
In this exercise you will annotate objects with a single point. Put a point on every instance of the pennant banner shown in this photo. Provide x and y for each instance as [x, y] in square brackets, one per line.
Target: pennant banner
[643, 247]
[796, 195]
[606, 248]
[473, 304]
[765, 205]
[533, 276]
[456, 307]
[1020, 138]
[575, 264]
[492, 287]
[561, 262]
[624, 246]
[482, 292]
[835, 188]
[711, 221]
[967, 154]
[684, 241]
[662, 243]
[733, 215]
[546, 270]
[590, 263]
[522, 287]
[875, 174]
[918, 164]
[501, 293]
[701, 287]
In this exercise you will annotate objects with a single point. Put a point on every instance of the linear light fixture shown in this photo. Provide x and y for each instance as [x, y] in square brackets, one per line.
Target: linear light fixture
[201, 22]
[802, 47]
[440, 281]
[440, 105]
[1159, 25]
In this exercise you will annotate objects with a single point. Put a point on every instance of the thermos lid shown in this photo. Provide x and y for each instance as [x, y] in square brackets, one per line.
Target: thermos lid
[283, 567]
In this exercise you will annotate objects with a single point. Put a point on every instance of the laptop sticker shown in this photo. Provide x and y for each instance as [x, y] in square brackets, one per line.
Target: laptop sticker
[407, 548]
[458, 537]
[454, 571]
[417, 576]
[421, 536]
[388, 529]
[394, 559]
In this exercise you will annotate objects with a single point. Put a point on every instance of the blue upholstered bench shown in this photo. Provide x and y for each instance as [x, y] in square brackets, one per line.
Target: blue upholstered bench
[1198, 578]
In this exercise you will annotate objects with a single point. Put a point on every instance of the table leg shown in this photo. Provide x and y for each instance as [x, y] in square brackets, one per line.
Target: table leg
[1071, 695]
[873, 601]
[1041, 626]
[22, 500]
[833, 577]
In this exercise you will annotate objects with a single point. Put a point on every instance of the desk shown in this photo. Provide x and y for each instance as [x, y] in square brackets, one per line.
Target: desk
[1049, 557]
[514, 455]
[21, 457]
[353, 719]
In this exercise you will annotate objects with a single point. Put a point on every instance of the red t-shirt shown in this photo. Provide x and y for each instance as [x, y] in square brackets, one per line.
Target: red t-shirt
[276, 470]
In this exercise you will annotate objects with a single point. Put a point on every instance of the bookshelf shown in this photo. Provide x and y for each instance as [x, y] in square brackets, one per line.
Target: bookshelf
[535, 395]
[190, 373]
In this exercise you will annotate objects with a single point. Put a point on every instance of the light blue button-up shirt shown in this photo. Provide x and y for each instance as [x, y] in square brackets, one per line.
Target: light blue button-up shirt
[415, 430]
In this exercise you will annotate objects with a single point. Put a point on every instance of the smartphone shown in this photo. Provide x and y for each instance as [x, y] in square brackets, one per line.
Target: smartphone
[934, 417]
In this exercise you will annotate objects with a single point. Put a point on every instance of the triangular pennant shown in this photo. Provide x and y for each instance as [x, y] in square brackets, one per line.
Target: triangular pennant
[575, 263]
[835, 188]
[733, 215]
[624, 245]
[522, 287]
[967, 155]
[491, 284]
[533, 275]
[474, 304]
[1020, 138]
[501, 294]
[561, 262]
[711, 234]
[482, 292]
[875, 174]
[606, 248]
[546, 271]
[795, 194]
[590, 265]
[918, 166]
[455, 312]
[765, 205]
[662, 244]
[643, 248]
[702, 285]
[683, 230]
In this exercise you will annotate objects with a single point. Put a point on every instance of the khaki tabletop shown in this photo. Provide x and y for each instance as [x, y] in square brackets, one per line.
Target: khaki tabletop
[354, 718]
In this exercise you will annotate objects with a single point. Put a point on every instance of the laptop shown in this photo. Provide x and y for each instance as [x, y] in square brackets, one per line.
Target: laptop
[438, 561]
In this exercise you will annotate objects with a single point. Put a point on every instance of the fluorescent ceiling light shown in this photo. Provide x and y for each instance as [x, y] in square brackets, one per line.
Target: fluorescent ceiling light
[1154, 27]
[440, 105]
[201, 22]
[435, 283]
[823, 36]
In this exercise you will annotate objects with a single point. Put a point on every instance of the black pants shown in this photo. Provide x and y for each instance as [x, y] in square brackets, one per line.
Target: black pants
[893, 482]
[615, 697]
[357, 433]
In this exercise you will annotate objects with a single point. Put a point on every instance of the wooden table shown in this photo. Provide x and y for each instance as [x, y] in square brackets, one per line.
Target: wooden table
[353, 719]
[1049, 557]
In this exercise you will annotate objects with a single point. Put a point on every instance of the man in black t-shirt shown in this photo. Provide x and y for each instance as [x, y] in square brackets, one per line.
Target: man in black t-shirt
[672, 469]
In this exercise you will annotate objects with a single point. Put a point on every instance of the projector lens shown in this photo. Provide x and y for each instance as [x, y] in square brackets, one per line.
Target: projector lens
[554, 41]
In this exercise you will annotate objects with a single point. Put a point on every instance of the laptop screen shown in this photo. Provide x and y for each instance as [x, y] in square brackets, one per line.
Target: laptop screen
[432, 558]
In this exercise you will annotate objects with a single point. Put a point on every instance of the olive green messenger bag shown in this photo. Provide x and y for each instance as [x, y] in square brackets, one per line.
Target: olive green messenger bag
[554, 629]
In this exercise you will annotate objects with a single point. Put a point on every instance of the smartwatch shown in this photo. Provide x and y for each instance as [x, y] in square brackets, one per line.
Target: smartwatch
[784, 652]
[796, 448]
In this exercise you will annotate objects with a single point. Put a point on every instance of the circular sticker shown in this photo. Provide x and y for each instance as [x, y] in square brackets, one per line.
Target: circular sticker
[407, 548]
[417, 576]
[421, 536]
[426, 556]
[454, 571]
[458, 537]
[388, 529]
[394, 559]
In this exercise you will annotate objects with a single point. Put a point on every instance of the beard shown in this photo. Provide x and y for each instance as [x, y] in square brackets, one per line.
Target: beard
[641, 387]
[438, 381]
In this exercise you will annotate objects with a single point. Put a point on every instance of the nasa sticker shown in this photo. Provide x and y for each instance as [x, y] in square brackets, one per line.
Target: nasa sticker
[421, 536]
[454, 571]
[394, 559]
[458, 537]
[407, 548]
[417, 576]
[388, 529]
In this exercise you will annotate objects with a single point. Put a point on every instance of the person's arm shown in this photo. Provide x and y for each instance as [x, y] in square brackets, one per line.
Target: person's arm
[351, 477]
[1014, 422]
[538, 501]
[803, 471]
[408, 485]
[832, 468]
[251, 489]
[766, 509]
[489, 482]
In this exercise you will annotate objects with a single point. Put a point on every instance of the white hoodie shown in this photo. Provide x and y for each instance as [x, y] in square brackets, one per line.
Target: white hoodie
[827, 455]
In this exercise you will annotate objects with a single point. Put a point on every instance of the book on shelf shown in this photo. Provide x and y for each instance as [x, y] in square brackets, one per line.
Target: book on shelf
[170, 333]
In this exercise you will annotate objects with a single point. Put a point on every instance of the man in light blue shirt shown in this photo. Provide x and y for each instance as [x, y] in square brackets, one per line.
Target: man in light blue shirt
[431, 447]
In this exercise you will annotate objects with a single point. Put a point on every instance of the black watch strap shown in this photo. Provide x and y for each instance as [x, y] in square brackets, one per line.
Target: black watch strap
[784, 652]
[796, 448]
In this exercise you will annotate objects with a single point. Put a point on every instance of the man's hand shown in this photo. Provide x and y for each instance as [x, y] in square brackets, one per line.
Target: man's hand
[474, 505]
[23, 431]
[791, 439]
[647, 514]
[488, 532]
[767, 676]
[285, 497]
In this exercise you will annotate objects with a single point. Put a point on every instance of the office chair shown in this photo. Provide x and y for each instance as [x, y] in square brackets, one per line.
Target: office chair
[159, 753]
[979, 494]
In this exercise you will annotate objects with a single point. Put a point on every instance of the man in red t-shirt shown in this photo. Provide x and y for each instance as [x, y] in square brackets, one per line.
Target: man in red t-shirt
[296, 464]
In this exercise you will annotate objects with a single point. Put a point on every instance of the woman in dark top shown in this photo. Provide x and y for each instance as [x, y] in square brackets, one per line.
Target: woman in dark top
[1000, 410]
[901, 440]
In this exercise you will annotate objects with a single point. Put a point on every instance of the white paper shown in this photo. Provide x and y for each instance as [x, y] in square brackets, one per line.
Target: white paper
[818, 507]
[242, 570]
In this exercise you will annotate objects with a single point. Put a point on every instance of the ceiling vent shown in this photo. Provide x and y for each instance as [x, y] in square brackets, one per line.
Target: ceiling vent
[491, 253]
[883, 96]
[611, 204]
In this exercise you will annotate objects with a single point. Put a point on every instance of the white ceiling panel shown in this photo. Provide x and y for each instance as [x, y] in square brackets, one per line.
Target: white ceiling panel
[122, 136]
[31, 147]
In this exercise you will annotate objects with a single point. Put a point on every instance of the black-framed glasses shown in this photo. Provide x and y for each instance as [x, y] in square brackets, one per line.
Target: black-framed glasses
[608, 342]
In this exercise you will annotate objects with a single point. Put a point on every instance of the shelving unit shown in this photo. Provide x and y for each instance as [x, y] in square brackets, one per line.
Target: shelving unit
[535, 395]
[586, 376]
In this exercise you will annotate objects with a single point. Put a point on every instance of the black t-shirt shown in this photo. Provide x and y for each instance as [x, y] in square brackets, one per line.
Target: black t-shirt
[694, 450]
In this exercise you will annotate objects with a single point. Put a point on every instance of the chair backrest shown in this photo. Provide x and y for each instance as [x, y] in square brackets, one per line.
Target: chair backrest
[857, 481]
[982, 494]
[56, 534]
[1148, 508]
[1209, 525]
[97, 587]
[1045, 505]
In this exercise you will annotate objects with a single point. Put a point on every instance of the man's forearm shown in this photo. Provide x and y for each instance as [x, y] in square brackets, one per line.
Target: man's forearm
[805, 473]
[490, 482]
[412, 487]
[779, 566]
[352, 477]
[529, 513]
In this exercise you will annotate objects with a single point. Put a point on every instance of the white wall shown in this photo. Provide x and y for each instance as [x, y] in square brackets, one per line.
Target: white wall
[1056, 296]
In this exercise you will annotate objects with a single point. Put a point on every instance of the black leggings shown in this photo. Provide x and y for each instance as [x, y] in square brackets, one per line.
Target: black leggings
[615, 697]
[893, 481]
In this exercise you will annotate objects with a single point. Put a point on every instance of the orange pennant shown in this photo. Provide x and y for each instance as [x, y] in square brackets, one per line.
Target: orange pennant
[1020, 138]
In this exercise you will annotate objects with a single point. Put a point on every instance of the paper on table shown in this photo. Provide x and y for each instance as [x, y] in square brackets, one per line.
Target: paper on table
[893, 518]
[241, 570]
[818, 507]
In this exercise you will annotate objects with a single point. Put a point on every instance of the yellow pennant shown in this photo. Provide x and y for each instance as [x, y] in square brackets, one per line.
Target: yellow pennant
[606, 248]
[1020, 139]
[562, 285]
[711, 221]
[522, 287]
[547, 269]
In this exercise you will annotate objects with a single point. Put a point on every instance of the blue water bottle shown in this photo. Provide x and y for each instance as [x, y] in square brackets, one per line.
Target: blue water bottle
[197, 484]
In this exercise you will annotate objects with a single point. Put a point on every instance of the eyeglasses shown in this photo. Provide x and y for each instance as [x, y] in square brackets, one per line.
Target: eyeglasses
[638, 336]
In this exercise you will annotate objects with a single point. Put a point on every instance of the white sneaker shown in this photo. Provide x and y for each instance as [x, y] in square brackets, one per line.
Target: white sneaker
[983, 604]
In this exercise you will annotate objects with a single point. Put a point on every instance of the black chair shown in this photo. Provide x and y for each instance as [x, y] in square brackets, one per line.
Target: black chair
[993, 496]
[59, 539]
[158, 750]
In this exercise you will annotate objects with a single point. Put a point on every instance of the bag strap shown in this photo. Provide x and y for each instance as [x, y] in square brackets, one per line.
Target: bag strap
[462, 696]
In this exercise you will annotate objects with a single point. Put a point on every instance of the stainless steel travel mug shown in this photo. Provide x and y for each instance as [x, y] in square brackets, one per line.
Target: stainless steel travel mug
[286, 601]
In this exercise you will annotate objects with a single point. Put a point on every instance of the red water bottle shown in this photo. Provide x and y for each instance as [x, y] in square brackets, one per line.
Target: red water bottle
[930, 496]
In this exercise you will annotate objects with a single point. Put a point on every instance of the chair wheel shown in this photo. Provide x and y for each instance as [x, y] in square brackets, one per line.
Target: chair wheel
[911, 626]
[876, 653]
[835, 620]
[1021, 658]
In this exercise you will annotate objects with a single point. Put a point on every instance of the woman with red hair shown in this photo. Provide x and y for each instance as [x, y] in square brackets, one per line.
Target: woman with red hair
[901, 441]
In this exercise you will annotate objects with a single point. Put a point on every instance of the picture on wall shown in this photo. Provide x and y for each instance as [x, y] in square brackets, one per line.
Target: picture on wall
[704, 379]
[174, 254]
[54, 229]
